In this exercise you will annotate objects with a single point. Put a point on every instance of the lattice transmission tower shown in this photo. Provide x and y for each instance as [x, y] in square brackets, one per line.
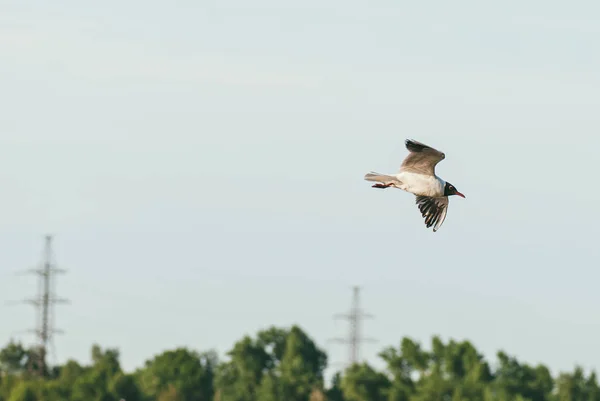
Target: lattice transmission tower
[355, 317]
[44, 304]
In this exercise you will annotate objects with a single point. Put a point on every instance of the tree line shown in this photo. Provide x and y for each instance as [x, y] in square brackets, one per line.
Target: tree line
[285, 364]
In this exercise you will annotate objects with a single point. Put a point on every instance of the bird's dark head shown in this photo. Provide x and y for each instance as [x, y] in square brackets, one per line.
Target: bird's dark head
[450, 190]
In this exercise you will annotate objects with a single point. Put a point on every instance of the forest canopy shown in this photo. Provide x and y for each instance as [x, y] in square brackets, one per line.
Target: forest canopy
[285, 364]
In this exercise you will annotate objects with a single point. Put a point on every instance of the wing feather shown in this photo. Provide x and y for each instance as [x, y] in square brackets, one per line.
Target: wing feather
[433, 210]
[422, 159]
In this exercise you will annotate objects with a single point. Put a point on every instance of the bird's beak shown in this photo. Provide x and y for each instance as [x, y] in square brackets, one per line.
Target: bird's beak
[459, 194]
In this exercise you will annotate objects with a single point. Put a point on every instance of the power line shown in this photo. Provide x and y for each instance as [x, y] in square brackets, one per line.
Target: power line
[355, 317]
[44, 305]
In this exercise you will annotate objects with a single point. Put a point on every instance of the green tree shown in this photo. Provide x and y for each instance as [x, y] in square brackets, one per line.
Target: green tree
[280, 364]
[187, 373]
[124, 386]
[513, 378]
[576, 387]
[334, 393]
[362, 383]
[269, 389]
[104, 380]
[13, 358]
[301, 367]
[24, 391]
[273, 342]
[7, 383]
[239, 379]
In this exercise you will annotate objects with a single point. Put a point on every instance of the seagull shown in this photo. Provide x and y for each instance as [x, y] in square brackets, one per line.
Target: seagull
[417, 176]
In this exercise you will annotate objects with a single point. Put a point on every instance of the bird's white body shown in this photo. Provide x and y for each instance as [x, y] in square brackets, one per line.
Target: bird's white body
[421, 184]
[415, 183]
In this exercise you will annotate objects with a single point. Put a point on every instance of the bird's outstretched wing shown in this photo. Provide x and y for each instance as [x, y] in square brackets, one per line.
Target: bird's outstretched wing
[422, 159]
[433, 210]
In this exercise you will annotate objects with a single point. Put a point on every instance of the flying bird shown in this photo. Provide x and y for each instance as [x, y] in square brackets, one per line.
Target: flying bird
[417, 176]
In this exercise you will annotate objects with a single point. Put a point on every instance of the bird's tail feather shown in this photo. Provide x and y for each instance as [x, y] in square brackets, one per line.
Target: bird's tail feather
[384, 178]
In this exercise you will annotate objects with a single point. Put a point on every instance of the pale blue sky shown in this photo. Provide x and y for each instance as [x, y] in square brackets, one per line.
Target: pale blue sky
[201, 166]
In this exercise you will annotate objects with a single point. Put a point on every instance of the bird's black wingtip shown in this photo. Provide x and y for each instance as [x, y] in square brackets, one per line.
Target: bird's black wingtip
[415, 146]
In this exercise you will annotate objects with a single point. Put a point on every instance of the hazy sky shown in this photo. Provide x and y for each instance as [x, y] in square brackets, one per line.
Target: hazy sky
[202, 168]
